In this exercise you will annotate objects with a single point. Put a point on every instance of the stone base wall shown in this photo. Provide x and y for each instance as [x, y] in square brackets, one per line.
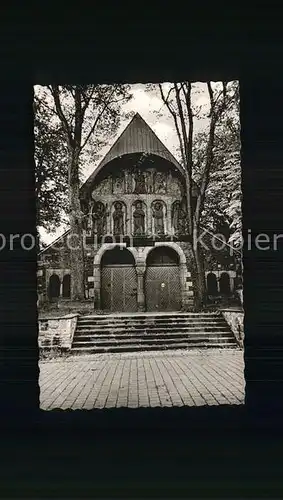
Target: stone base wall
[235, 319]
[62, 307]
[57, 332]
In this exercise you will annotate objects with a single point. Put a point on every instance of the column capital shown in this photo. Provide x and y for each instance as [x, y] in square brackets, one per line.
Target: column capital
[140, 270]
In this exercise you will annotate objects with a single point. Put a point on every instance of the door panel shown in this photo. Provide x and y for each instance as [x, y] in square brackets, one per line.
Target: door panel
[162, 287]
[119, 288]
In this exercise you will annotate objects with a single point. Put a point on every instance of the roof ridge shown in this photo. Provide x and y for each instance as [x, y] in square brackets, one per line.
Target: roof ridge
[166, 152]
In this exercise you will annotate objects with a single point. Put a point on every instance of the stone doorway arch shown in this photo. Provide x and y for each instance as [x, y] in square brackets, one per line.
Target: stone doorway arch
[224, 284]
[66, 288]
[54, 287]
[163, 291]
[118, 281]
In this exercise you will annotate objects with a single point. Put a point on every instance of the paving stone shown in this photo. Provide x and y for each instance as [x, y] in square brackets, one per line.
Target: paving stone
[171, 378]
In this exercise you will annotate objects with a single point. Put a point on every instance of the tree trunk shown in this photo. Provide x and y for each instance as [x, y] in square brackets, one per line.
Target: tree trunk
[75, 240]
[198, 275]
[199, 279]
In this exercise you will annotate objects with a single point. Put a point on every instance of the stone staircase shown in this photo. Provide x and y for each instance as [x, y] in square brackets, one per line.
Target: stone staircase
[151, 332]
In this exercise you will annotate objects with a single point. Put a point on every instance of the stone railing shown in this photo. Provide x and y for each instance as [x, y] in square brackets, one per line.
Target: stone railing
[57, 333]
[240, 295]
[235, 319]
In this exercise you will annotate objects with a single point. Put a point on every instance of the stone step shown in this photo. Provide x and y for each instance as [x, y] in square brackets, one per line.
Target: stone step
[185, 334]
[142, 332]
[141, 341]
[156, 317]
[140, 325]
[150, 323]
[147, 347]
[156, 331]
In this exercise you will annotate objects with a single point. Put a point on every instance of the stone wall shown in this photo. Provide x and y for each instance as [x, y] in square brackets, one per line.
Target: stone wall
[240, 295]
[57, 333]
[235, 319]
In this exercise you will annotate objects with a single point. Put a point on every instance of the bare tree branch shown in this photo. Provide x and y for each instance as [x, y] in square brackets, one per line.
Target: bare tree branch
[56, 96]
[182, 120]
[214, 116]
[78, 119]
[174, 115]
[187, 95]
[87, 99]
[95, 122]
[44, 104]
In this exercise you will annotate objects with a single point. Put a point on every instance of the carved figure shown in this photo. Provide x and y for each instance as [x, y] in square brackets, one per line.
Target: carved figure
[158, 217]
[118, 187]
[118, 219]
[104, 187]
[99, 218]
[139, 183]
[160, 183]
[149, 182]
[174, 187]
[85, 217]
[128, 182]
[138, 219]
[178, 218]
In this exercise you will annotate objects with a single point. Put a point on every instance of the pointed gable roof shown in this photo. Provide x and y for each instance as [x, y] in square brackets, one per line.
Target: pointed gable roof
[138, 137]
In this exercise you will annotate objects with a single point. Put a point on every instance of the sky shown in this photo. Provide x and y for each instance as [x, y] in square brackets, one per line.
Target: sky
[147, 104]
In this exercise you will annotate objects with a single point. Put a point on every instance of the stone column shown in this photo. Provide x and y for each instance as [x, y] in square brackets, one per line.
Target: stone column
[96, 286]
[218, 280]
[169, 219]
[140, 291]
[61, 288]
[185, 294]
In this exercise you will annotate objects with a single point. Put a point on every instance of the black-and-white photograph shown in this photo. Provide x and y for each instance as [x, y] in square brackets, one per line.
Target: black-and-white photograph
[139, 230]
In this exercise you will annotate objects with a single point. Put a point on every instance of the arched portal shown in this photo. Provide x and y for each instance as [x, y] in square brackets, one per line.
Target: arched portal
[54, 287]
[162, 280]
[118, 281]
[211, 284]
[224, 284]
[67, 286]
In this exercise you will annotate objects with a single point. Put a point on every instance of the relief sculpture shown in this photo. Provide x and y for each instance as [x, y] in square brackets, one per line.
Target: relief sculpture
[149, 181]
[160, 183]
[128, 182]
[139, 183]
[102, 188]
[139, 219]
[85, 217]
[158, 218]
[178, 218]
[118, 219]
[118, 185]
[174, 186]
[99, 218]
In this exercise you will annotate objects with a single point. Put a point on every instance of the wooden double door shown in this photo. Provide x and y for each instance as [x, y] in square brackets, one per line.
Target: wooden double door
[162, 288]
[161, 284]
[119, 288]
[162, 280]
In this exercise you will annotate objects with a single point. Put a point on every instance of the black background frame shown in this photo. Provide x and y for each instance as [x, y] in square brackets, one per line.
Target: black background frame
[217, 452]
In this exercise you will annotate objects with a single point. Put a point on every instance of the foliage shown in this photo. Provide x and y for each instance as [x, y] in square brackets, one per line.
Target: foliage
[51, 142]
[222, 206]
[85, 116]
[51, 173]
[202, 155]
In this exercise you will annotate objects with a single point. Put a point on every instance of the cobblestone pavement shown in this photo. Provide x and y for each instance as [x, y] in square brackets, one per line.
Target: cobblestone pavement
[171, 378]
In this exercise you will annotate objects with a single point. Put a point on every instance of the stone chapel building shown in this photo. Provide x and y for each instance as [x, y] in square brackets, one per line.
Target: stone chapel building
[137, 256]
